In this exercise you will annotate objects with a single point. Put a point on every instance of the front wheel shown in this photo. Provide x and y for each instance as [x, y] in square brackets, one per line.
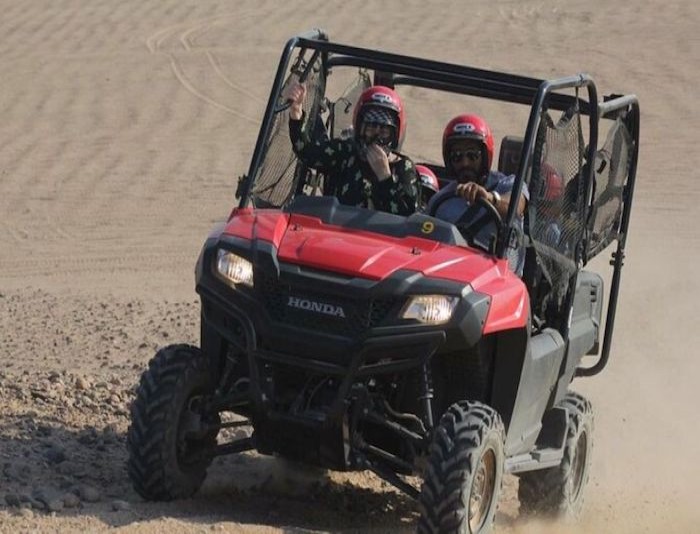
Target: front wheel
[558, 491]
[462, 481]
[172, 437]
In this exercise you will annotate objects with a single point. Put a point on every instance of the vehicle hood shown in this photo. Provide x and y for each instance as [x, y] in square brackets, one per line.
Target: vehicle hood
[307, 241]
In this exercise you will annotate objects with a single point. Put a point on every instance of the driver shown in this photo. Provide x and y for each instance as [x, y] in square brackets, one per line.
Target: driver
[366, 170]
[467, 150]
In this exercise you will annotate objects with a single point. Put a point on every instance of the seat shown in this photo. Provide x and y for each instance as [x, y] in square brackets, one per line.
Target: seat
[509, 154]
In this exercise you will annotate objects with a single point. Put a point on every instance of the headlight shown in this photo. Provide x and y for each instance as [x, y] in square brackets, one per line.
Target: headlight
[430, 309]
[234, 269]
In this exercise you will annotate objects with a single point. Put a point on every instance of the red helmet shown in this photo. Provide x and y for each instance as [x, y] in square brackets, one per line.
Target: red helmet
[428, 180]
[380, 97]
[552, 189]
[469, 127]
[554, 183]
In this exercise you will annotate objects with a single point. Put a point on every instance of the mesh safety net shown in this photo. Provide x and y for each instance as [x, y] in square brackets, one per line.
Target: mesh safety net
[611, 171]
[279, 173]
[556, 211]
[559, 213]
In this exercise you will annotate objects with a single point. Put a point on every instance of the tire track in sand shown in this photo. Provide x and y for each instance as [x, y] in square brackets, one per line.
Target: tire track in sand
[159, 43]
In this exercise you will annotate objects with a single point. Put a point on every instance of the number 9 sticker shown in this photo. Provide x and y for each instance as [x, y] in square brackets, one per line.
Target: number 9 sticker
[428, 227]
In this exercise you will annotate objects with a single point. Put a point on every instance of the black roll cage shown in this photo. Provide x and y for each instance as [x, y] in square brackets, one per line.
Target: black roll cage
[540, 94]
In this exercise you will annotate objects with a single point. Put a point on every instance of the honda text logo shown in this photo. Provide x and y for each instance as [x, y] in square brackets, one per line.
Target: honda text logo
[382, 98]
[463, 128]
[318, 307]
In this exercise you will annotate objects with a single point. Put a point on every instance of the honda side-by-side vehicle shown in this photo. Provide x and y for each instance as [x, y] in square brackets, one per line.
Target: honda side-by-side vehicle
[354, 339]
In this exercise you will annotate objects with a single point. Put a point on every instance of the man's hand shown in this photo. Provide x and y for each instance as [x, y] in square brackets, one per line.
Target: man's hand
[295, 93]
[379, 161]
[472, 191]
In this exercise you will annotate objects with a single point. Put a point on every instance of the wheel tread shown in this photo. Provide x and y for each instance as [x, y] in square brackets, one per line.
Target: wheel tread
[149, 465]
[543, 492]
[462, 429]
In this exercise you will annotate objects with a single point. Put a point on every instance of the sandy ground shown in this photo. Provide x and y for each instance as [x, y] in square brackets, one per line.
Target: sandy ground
[123, 127]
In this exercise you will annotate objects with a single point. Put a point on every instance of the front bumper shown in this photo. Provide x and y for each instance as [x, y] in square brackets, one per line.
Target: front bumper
[367, 342]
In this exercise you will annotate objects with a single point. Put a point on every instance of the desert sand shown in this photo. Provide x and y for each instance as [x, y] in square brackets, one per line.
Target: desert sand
[123, 128]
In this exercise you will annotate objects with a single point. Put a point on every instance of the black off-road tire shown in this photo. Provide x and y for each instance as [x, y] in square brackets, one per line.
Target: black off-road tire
[164, 463]
[558, 492]
[465, 461]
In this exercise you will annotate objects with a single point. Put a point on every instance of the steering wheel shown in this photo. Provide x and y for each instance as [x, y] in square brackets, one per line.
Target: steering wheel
[467, 228]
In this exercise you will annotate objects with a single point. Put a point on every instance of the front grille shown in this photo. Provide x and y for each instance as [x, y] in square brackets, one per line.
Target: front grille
[314, 310]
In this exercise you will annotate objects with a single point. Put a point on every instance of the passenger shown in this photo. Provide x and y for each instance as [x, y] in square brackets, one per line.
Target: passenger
[548, 227]
[366, 170]
[429, 185]
[467, 150]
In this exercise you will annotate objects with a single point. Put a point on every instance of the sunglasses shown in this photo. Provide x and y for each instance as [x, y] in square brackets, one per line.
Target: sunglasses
[457, 155]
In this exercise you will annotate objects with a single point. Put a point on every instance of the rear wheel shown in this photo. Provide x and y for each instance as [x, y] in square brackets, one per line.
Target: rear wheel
[462, 481]
[171, 438]
[559, 491]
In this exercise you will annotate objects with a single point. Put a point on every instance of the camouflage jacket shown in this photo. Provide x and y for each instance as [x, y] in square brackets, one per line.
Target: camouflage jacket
[351, 180]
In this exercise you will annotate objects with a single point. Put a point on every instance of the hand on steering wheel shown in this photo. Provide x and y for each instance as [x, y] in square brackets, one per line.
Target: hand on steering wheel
[466, 227]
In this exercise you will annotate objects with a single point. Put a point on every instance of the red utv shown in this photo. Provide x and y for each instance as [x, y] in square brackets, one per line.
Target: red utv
[354, 339]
